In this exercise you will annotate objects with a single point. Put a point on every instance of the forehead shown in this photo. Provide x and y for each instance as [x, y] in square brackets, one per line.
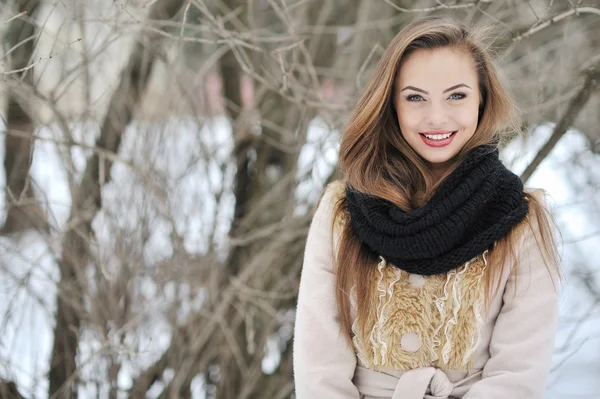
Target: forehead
[437, 67]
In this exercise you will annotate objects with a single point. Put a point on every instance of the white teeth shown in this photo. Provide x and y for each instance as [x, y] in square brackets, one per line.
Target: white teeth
[438, 136]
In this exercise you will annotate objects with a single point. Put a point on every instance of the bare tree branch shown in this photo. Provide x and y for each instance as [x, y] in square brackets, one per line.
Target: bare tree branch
[590, 85]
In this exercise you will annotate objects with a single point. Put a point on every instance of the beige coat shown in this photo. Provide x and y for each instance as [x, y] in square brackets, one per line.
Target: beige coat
[429, 339]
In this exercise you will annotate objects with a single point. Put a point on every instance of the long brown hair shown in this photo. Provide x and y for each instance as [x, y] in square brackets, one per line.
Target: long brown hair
[376, 159]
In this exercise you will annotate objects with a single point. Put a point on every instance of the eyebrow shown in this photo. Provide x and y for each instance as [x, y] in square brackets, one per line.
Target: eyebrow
[445, 91]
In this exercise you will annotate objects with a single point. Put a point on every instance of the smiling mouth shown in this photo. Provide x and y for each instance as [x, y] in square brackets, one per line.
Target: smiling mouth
[438, 136]
[438, 139]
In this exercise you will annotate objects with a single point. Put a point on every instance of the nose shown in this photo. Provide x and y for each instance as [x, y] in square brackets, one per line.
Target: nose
[437, 115]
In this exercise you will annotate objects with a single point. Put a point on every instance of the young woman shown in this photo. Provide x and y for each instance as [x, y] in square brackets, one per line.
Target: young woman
[429, 271]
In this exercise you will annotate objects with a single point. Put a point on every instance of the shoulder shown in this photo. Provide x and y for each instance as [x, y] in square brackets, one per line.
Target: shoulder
[538, 210]
[330, 198]
[539, 213]
[540, 241]
[539, 194]
[333, 192]
[329, 207]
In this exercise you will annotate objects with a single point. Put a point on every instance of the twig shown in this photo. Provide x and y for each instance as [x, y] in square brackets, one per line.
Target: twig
[570, 355]
[297, 4]
[185, 15]
[441, 6]
[364, 65]
[254, 292]
[111, 156]
[546, 11]
[584, 237]
[284, 74]
[15, 17]
[307, 55]
[537, 17]
[290, 47]
[28, 67]
[545, 24]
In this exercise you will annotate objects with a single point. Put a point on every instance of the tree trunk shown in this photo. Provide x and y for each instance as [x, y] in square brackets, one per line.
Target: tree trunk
[589, 86]
[264, 191]
[9, 390]
[24, 210]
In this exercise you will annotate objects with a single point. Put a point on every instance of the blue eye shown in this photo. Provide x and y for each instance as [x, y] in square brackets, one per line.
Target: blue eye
[457, 96]
[414, 97]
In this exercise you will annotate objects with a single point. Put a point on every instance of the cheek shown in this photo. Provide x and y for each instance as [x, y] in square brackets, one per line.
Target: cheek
[467, 117]
[408, 121]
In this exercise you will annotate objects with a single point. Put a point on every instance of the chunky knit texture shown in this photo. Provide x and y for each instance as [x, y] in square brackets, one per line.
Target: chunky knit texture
[474, 207]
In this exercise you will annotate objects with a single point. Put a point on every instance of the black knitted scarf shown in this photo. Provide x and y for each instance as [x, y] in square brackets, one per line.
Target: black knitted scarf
[473, 207]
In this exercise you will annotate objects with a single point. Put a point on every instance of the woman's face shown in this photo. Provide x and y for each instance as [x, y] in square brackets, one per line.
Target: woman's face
[437, 101]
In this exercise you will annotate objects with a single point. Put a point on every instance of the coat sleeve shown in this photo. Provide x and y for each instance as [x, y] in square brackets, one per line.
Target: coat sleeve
[323, 361]
[522, 340]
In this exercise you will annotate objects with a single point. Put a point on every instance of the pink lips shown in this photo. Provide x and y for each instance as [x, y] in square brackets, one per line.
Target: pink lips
[438, 143]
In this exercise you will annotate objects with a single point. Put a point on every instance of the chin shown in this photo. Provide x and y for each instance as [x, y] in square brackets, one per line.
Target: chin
[439, 158]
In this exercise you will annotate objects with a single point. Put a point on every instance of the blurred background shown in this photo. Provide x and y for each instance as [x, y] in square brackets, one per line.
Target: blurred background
[161, 160]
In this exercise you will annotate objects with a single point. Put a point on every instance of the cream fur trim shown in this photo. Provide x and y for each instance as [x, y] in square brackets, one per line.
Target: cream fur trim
[445, 313]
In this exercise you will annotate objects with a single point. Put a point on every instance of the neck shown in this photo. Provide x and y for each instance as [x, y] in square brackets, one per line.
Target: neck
[438, 170]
